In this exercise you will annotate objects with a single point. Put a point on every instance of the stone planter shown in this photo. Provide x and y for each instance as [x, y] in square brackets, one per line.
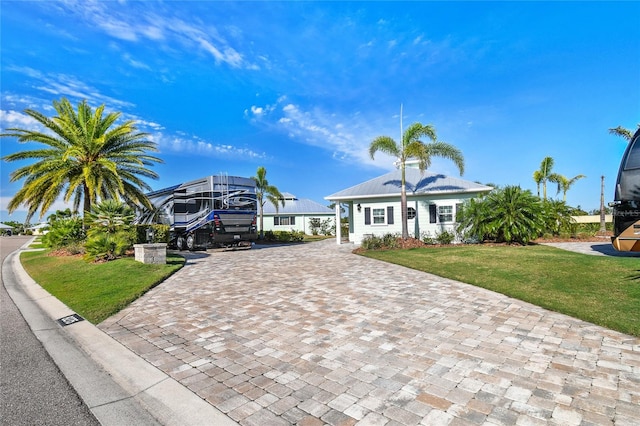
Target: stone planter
[151, 253]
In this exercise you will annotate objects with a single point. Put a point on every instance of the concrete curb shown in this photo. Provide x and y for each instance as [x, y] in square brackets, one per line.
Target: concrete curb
[117, 385]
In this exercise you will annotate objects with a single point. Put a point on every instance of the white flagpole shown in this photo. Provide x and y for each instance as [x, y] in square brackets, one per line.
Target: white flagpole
[401, 141]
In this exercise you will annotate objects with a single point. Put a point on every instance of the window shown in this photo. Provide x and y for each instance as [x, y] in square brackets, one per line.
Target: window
[284, 220]
[378, 216]
[411, 213]
[633, 157]
[445, 214]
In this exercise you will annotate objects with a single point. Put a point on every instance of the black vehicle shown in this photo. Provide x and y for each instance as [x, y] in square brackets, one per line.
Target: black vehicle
[626, 204]
[215, 211]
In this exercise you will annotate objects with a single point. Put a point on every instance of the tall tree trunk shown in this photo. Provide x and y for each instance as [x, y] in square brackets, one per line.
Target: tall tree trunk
[261, 221]
[403, 206]
[87, 199]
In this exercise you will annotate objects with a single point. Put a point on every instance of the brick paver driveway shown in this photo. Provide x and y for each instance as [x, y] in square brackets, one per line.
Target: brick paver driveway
[312, 334]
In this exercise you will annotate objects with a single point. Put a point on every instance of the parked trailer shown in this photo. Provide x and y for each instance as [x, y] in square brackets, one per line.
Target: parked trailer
[212, 212]
[626, 204]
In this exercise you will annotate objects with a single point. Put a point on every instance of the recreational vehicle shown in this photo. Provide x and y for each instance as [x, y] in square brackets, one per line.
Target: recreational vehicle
[626, 204]
[215, 211]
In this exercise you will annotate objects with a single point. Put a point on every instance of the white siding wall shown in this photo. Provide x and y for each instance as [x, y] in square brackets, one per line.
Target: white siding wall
[302, 222]
[418, 226]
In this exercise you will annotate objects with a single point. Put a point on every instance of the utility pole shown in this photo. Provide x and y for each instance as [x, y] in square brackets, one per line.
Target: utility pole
[603, 226]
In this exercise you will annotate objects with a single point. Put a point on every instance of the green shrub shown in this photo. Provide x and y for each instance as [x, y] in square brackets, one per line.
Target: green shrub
[427, 238]
[445, 237]
[557, 218]
[109, 217]
[111, 232]
[107, 246]
[314, 225]
[390, 241]
[321, 227]
[160, 233]
[284, 236]
[373, 242]
[327, 227]
[591, 229]
[507, 214]
[344, 229]
[64, 232]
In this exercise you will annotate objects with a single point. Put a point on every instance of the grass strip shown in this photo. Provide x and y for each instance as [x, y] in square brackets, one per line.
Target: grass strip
[96, 290]
[601, 290]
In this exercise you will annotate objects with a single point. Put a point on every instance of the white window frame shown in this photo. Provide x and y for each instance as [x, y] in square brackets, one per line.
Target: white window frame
[445, 212]
[377, 218]
[277, 220]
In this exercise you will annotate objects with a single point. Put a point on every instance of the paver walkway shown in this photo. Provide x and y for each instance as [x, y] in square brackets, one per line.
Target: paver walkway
[313, 334]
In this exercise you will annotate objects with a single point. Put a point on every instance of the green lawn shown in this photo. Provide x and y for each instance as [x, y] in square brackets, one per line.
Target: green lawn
[96, 290]
[602, 290]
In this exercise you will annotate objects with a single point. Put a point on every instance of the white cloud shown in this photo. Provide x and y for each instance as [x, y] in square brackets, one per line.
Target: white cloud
[135, 63]
[9, 119]
[63, 85]
[140, 24]
[183, 144]
[346, 137]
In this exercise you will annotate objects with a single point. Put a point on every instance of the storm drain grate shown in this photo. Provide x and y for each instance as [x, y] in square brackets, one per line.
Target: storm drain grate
[70, 319]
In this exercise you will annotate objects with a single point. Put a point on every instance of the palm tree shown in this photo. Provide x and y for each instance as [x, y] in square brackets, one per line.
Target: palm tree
[110, 216]
[86, 156]
[544, 175]
[265, 192]
[508, 214]
[564, 184]
[622, 132]
[537, 177]
[412, 147]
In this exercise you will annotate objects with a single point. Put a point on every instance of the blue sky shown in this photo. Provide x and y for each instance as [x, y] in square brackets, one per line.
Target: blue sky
[302, 88]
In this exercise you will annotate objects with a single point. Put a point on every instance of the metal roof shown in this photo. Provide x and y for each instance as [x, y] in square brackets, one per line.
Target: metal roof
[417, 183]
[294, 205]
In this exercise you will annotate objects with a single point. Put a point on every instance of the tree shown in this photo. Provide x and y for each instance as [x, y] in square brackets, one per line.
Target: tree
[265, 192]
[412, 146]
[622, 132]
[110, 234]
[564, 184]
[87, 156]
[507, 214]
[109, 217]
[537, 177]
[544, 175]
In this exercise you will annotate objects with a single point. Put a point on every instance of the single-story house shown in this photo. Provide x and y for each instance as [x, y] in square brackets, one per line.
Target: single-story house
[6, 229]
[296, 215]
[40, 229]
[432, 202]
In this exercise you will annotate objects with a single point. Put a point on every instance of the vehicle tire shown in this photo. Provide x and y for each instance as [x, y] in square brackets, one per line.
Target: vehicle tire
[191, 242]
[180, 243]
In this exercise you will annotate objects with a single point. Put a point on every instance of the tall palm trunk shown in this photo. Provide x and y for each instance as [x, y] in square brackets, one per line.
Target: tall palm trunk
[87, 199]
[403, 205]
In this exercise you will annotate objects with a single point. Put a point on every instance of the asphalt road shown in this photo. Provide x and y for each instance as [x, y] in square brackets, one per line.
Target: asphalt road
[33, 391]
